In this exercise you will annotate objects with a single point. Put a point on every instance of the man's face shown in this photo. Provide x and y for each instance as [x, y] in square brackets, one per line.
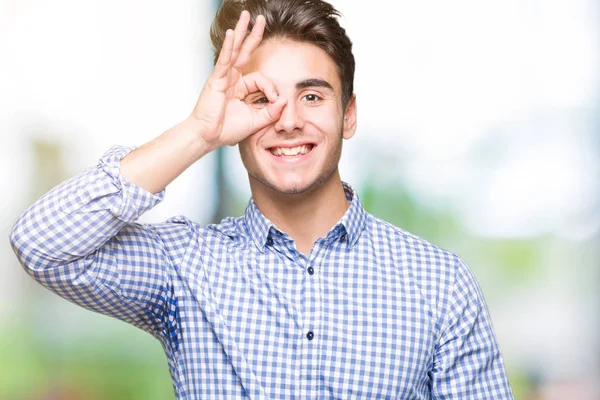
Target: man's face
[301, 150]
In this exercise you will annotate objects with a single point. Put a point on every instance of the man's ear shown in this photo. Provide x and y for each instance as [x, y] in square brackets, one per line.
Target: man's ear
[350, 118]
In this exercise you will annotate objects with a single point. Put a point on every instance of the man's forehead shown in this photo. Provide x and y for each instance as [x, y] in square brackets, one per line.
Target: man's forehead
[296, 64]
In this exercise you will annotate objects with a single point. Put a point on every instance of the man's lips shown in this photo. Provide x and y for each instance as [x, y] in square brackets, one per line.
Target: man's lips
[291, 150]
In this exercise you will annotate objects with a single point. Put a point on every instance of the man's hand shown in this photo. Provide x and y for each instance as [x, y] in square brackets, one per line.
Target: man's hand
[224, 117]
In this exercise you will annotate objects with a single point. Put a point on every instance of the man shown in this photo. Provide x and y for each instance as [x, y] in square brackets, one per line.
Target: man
[304, 296]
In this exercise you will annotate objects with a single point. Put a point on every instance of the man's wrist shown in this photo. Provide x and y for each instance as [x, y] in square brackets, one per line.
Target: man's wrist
[196, 131]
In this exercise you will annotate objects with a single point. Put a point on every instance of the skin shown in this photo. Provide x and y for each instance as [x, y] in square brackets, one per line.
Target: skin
[304, 75]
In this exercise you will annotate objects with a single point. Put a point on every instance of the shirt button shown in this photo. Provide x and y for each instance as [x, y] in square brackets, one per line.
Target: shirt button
[270, 241]
[311, 270]
[343, 237]
[310, 335]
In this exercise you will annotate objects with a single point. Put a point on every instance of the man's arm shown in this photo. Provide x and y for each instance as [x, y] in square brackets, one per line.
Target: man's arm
[468, 363]
[81, 241]
[220, 117]
[157, 163]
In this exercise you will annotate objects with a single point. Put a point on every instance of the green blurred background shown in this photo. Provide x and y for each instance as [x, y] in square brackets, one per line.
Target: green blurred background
[479, 130]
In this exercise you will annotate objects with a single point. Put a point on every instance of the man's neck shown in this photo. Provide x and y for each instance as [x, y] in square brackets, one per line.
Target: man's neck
[304, 217]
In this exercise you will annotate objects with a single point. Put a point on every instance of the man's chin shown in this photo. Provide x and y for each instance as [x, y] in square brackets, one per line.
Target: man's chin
[291, 188]
[291, 184]
[286, 188]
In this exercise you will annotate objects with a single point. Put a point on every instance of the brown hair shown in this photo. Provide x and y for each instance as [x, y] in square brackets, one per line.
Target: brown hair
[312, 21]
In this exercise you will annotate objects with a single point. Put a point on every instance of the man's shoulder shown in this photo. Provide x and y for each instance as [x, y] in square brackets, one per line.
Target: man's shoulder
[182, 225]
[182, 237]
[430, 266]
[404, 242]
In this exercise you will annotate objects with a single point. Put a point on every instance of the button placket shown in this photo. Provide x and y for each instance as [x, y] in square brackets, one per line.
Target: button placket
[309, 372]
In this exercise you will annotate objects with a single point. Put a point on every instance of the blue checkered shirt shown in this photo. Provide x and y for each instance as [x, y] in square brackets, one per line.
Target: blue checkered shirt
[372, 313]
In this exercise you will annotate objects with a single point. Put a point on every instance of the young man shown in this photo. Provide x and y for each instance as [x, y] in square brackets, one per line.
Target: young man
[304, 296]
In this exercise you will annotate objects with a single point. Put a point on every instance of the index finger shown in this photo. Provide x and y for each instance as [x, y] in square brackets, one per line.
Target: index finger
[251, 42]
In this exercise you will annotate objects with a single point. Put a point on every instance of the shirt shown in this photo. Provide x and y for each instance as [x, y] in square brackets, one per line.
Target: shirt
[372, 313]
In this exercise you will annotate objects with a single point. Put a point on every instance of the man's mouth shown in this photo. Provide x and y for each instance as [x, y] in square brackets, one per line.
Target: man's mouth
[289, 152]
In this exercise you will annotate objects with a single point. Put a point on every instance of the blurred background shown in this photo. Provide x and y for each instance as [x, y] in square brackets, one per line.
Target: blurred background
[479, 130]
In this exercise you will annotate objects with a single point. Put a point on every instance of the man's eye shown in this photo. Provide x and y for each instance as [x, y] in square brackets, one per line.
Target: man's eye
[312, 98]
[261, 100]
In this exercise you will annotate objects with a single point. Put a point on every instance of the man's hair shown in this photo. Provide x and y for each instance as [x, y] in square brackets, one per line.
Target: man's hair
[312, 21]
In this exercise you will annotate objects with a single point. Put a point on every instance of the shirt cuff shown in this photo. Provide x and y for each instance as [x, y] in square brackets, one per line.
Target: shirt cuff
[103, 188]
[133, 199]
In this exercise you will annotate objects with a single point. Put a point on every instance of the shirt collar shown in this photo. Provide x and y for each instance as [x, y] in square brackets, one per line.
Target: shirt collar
[355, 217]
[257, 224]
[347, 229]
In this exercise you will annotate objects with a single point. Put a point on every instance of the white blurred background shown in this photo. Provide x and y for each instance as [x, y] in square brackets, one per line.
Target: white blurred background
[479, 129]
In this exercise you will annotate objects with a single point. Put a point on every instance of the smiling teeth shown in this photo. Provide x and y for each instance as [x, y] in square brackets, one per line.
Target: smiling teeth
[291, 151]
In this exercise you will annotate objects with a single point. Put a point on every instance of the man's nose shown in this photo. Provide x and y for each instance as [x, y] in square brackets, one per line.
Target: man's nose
[290, 119]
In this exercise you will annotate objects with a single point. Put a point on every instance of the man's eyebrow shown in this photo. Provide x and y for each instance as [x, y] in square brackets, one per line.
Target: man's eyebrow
[313, 82]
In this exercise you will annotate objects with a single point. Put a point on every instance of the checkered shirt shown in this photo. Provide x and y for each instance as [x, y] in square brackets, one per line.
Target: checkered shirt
[372, 313]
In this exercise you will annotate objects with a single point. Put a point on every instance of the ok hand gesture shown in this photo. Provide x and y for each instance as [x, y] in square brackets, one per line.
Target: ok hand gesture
[225, 118]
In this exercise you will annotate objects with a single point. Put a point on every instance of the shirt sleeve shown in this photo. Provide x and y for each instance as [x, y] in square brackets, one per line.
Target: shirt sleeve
[468, 363]
[81, 242]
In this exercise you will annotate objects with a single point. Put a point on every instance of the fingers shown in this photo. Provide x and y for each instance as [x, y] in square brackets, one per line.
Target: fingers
[251, 42]
[257, 82]
[240, 32]
[271, 113]
[236, 51]
[225, 56]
